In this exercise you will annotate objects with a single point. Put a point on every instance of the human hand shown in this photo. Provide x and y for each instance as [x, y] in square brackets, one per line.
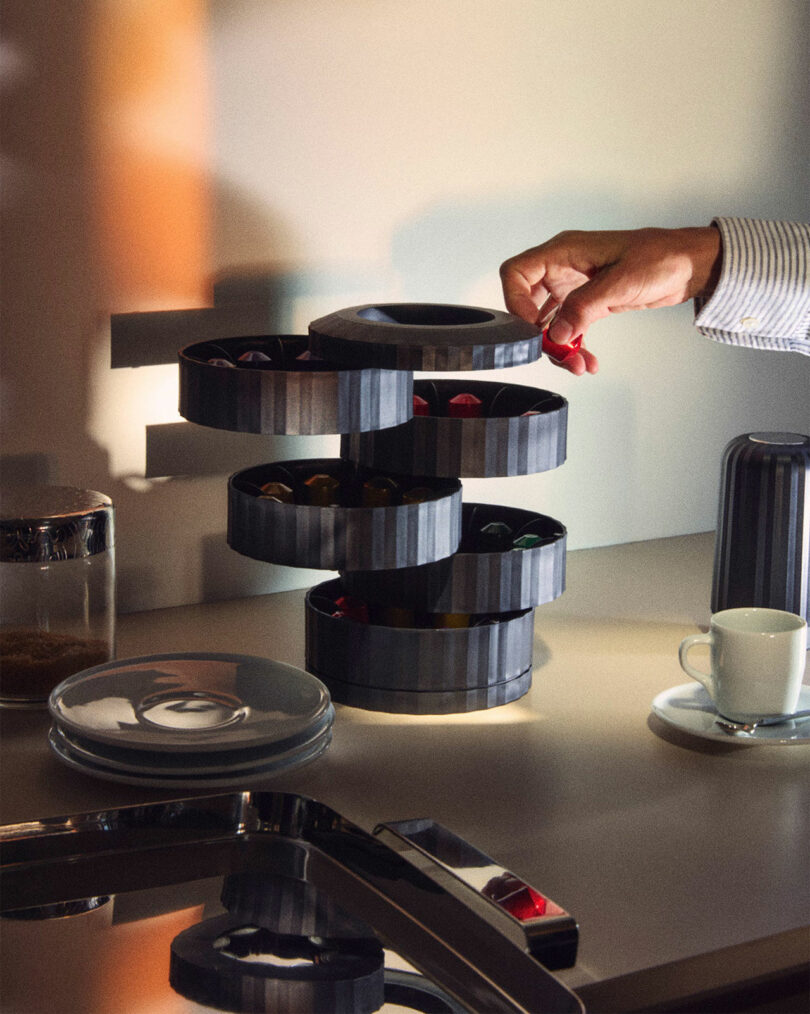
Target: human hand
[576, 278]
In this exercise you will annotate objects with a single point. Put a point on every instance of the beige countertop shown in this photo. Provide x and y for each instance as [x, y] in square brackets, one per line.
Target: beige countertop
[663, 846]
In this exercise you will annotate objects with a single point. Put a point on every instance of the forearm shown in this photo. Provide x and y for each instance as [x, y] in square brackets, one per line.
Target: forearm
[762, 296]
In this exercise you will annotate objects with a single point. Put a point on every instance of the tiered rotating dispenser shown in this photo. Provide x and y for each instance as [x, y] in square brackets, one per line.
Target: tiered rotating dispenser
[433, 612]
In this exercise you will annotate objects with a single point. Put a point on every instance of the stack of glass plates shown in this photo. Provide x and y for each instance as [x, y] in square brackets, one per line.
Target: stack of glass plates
[190, 720]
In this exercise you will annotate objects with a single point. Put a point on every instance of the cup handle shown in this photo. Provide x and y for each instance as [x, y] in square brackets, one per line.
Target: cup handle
[697, 674]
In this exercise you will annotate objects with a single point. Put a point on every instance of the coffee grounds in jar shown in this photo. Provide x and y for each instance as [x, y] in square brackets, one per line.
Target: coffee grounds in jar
[33, 662]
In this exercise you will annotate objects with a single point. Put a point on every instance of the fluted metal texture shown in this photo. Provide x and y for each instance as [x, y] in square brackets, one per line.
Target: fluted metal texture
[296, 399]
[208, 966]
[762, 552]
[287, 906]
[505, 444]
[439, 702]
[476, 582]
[338, 538]
[471, 448]
[410, 658]
[425, 336]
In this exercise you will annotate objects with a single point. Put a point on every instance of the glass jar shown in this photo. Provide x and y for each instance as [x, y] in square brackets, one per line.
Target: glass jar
[57, 589]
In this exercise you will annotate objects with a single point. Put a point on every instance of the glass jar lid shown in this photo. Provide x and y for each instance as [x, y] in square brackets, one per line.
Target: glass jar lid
[40, 524]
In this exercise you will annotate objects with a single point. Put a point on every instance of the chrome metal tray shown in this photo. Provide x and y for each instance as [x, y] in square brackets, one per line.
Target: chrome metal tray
[484, 937]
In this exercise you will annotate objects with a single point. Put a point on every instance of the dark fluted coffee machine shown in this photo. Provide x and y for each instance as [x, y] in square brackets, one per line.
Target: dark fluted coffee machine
[762, 553]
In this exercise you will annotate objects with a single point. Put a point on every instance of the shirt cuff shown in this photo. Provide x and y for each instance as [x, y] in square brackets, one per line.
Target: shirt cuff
[762, 298]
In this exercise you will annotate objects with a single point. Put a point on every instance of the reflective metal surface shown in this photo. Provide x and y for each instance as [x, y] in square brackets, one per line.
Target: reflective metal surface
[44, 523]
[423, 907]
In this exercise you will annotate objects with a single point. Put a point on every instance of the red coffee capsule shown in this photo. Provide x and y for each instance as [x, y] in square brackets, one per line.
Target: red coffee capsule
[420, 406]
[560, 353]
[352, 608]
[464, 406]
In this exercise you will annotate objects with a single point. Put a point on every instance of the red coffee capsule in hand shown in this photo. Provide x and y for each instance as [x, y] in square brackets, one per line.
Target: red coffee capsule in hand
[559, 353]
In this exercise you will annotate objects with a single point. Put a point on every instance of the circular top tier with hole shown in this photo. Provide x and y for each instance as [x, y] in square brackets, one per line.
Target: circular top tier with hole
[425, 336]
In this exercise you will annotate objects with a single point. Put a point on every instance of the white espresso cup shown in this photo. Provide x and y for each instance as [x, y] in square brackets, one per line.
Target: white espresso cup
[757, 660]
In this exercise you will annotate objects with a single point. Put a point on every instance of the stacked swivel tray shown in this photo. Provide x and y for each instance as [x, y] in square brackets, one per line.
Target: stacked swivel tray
[433, 611]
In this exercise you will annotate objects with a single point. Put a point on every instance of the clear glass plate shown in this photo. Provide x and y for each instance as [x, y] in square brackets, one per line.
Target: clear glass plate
[219, 762]
[212, 779]
[193, 703]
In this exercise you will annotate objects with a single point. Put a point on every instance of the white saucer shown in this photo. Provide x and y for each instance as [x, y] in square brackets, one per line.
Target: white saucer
[690, 709]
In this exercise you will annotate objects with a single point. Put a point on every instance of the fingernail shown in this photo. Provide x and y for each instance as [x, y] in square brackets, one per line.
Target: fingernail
[545, 321]
[560, 332]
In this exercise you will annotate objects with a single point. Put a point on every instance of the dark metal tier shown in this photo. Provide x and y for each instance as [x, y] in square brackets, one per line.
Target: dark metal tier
[379, 662]
[503, 441]
[432, 702]
[284, 394]
[287, 906]
[345, 536]
[225, 964]
[425, 336]
[473, 580]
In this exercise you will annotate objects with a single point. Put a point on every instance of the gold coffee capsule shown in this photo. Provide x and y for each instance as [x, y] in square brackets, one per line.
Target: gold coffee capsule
[379, 491]
[322, 490]
[277, 491]
[418, 495]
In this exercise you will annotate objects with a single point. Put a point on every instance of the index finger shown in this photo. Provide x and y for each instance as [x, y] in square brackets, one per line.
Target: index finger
[522, 295]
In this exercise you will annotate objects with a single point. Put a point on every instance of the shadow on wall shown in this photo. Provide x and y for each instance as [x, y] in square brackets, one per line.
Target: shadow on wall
[451, 245]
[53, 281]
[59, 282]
[92, 232]
[93, 213]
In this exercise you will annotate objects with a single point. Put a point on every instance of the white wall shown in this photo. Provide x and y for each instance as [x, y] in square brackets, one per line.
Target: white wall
[361, 150]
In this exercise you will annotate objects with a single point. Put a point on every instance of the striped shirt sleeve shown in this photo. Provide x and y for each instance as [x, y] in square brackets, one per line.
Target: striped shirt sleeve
[762, 298]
